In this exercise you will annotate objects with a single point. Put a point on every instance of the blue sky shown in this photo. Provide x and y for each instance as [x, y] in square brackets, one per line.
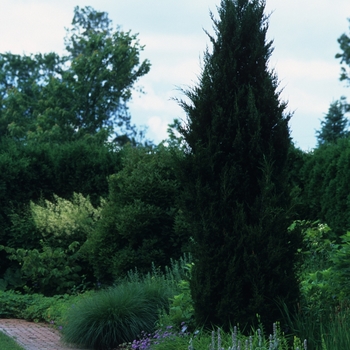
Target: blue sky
[304, 32]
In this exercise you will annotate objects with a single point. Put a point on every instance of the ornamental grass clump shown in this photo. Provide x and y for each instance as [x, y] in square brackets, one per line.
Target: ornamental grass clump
[114, 316]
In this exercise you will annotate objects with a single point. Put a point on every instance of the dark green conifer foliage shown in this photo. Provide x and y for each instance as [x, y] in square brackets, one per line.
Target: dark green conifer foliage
[334, 126]
[326, 179]
[234, 176]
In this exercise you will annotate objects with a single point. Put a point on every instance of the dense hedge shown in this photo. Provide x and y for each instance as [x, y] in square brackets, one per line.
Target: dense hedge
[33, 171]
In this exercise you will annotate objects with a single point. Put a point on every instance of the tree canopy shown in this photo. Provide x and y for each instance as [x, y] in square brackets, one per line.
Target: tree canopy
[344, 43]
[55, 98]
[335, 124]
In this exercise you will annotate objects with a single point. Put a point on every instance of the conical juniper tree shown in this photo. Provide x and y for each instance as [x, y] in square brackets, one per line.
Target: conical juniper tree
[234, 175]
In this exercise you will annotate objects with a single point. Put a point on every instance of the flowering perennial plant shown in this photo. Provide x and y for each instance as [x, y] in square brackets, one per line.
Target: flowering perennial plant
[253, 342]
[146, 341]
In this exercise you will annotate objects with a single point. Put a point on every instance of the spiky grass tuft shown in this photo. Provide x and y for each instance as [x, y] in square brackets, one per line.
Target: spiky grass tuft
[114, 316]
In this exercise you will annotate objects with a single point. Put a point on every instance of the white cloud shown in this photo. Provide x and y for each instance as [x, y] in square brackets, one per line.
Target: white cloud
[32, 26]
[157, 128]
[172, 43]
[316, 70]
[176, 73]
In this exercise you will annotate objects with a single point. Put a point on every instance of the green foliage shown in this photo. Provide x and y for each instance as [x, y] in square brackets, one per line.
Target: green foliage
[8, 343]
[59, 265]
[335, 332]
[327, 185]
[45, 97]
[36, 171]
[344, 43]
[318, 244]
[181, 306]
[219, 340]
[304, 325]
[36, 307]
[49, 271]
[318, 281]
[323, 309]
[12, 304]
[65, 220]
[335, 124]
[181, 309]
[325, 270]
[323, 330]
[137, 223]
[341, 268]
[115, 316]
[324, 176]
[234, 176]
[56, 116]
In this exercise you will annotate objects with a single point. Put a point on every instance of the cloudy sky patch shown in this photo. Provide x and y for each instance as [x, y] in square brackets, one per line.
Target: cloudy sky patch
[304, 33]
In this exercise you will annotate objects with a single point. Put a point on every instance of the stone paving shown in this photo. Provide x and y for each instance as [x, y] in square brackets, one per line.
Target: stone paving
[33, 336]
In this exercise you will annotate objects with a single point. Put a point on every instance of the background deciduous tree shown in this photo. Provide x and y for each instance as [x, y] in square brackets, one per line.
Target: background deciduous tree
[57, 118]
[344, 43]
[53, 98]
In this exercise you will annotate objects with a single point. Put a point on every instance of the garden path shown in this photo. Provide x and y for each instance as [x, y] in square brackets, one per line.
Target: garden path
[33, 336]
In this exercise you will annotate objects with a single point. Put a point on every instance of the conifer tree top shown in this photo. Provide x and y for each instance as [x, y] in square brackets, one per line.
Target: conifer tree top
[234, 175]
[235, 109]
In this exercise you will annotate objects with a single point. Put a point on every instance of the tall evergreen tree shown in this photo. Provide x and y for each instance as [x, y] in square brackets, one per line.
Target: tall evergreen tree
[234, 175]
[334, 126]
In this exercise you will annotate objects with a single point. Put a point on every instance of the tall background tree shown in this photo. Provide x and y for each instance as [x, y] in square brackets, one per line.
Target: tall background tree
[236, 197]
[335, 124]
[56, 115]
[344, 43]
[48, 97]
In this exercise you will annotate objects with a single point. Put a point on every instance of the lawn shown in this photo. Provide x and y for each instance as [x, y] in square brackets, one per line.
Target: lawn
[7, 343]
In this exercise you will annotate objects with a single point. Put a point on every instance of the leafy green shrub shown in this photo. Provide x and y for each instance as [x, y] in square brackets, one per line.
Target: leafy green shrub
[12, 278]
[36, 307]
[318, 283]
[115, 315]
[59, 263]
[33, 170]
[341, 266]
[27, 306]
[65, 220]
[49, 270]
[181, 309]
[323, 314]
[12, 304]
[137, 222]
